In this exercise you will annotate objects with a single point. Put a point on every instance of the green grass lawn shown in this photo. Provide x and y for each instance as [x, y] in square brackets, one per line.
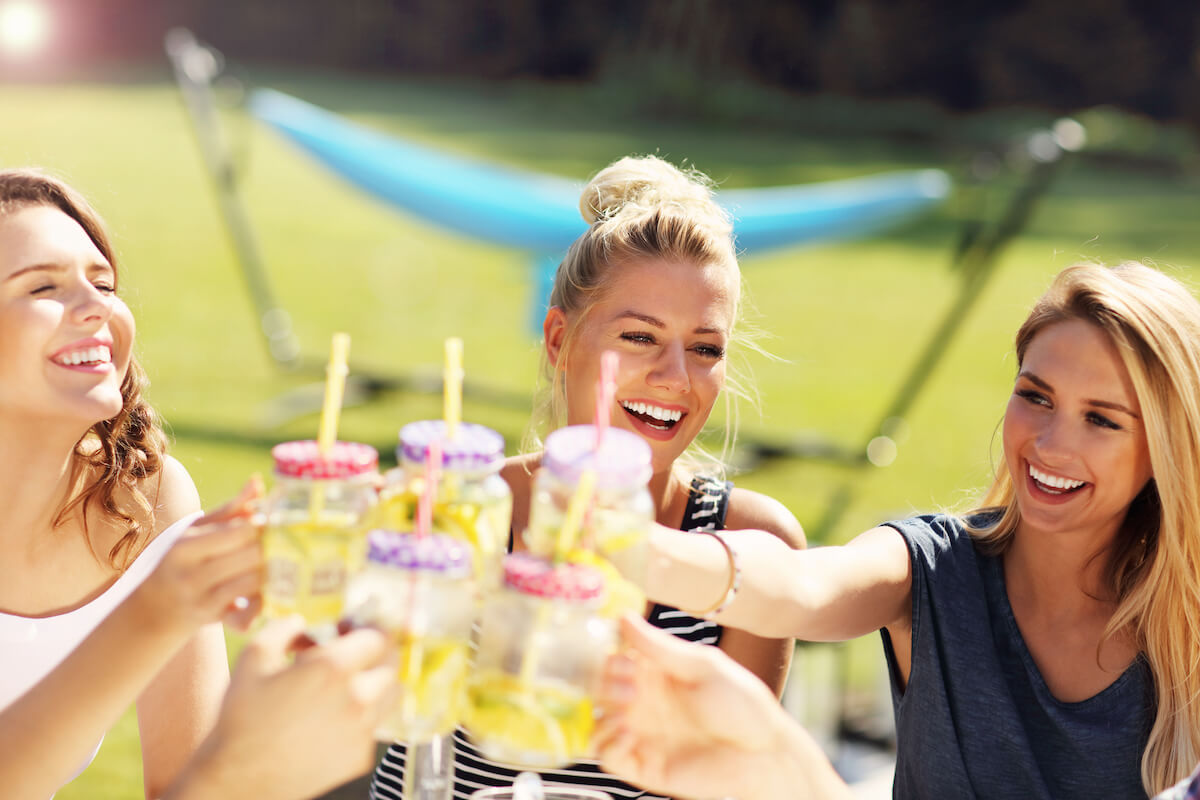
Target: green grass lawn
[845, 320]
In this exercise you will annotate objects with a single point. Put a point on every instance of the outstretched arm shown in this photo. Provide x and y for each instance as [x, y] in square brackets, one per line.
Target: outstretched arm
[819, 594]
[769, 658]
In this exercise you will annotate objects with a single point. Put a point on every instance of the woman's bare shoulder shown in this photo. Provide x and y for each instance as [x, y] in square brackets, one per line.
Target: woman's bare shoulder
[750, 509]
[518, 470]
[172, 494]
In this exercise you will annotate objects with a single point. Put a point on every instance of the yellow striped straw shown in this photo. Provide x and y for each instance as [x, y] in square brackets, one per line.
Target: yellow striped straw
[335, 388]
[331, 410]
[576, 510]
[452, 385]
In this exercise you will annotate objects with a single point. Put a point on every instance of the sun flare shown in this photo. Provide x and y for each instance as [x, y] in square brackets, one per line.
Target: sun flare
[24, 27]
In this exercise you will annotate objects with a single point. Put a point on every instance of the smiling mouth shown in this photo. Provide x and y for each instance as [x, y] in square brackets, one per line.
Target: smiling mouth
[660, 419]
[1054, 484]
[85, 357]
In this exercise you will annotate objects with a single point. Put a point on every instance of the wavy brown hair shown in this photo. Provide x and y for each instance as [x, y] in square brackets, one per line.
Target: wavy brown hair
[114, 458]
[1153, 566]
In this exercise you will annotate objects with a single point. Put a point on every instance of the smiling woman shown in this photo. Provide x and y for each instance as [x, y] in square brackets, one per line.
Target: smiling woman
[1043, 645]
[91, 500]
[654, 280]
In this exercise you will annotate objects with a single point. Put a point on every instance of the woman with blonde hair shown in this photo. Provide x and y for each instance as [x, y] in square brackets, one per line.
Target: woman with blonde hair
[1045, 645]
[654, 279]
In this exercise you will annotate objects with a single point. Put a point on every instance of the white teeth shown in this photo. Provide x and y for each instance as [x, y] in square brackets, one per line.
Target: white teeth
[1053, 481]
[89, 355]
[663, 414]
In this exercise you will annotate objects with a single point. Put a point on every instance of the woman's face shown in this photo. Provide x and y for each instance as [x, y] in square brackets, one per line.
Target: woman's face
[669, 323]
[1074, 439]
[65, 338]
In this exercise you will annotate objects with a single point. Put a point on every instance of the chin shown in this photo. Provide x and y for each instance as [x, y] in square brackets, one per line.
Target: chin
[102, 409]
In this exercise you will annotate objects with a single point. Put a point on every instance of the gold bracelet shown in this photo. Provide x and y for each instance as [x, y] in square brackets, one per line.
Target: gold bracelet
[733, 584]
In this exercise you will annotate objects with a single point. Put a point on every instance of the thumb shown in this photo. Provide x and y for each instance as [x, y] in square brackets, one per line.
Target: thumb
[672, 655]
[268, 651]
[241, 505]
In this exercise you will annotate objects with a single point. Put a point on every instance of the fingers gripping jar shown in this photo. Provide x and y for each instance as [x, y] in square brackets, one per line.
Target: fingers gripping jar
[621, 512]
[473, 502]
[542, 645]
[314, 536]
[419, 591]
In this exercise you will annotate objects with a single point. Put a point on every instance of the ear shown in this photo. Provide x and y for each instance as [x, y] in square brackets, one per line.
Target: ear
[554, 332]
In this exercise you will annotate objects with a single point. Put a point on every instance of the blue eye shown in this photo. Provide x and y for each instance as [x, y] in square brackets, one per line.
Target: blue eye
[710, 351]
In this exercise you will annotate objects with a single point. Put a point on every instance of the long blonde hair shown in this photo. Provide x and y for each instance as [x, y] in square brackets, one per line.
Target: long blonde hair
[1153, 567]
[643, 207]
[125, 450]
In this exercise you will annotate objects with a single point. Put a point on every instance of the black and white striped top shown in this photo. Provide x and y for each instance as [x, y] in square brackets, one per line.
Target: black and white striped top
[705, 510]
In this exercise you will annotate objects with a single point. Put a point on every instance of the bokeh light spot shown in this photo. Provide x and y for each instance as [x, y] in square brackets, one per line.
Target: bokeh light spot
[24, 27]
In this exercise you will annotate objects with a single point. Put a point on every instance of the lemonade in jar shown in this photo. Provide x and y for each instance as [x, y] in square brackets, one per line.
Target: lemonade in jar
[473, 503]
[419, 590]
[542, 645]
[314, 538]
[620, 513]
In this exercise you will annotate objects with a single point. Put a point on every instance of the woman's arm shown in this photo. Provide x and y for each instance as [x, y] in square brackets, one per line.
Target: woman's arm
[768, 658]
[684, 720]
[820, 594]
[291, 731]
[49, 730]
[178, 709]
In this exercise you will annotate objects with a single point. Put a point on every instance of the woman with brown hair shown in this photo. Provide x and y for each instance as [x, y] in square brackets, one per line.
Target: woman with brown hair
[91, 500]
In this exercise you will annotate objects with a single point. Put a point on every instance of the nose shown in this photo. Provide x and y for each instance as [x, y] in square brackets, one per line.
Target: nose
[1056, 441]
[90, 305]
[671, 370]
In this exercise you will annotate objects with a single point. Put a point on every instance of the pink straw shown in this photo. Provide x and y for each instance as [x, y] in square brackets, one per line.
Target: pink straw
[433, 465]
[606, 388]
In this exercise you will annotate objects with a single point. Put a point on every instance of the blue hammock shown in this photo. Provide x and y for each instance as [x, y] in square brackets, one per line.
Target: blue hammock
[540, 213]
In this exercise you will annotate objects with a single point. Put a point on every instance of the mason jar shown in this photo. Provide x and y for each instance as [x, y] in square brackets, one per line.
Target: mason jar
[616, 526]
[315, 538]
[419, 591]
[473, 502]
[542, 645]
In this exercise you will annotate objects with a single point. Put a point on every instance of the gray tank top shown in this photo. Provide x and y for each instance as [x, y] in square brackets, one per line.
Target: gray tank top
[976, 719]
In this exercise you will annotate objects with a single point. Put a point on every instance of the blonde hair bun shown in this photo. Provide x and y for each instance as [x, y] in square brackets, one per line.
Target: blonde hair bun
[638, 185]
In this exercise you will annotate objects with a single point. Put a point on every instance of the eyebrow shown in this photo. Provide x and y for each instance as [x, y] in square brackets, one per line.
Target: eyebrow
[36, 268]
[658, 323]
[58, 268]
[1098, 403]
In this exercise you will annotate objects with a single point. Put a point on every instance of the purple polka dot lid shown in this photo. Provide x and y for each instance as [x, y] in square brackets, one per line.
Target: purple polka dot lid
[622, 462]
[474, 447]
[436, 552]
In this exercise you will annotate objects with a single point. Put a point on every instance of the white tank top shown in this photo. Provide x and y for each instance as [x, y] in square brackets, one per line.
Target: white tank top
[30, 647]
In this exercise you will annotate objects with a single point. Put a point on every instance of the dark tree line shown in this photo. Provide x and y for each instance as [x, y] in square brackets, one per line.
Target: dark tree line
[1142, 55]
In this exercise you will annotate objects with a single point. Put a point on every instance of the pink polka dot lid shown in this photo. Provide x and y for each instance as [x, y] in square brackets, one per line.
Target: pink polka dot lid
[345, 460]
[539, 578]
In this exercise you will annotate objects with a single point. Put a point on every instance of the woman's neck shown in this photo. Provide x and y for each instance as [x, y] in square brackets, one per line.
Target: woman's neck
[669, 490]
[35, 478]
[1061, 572]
